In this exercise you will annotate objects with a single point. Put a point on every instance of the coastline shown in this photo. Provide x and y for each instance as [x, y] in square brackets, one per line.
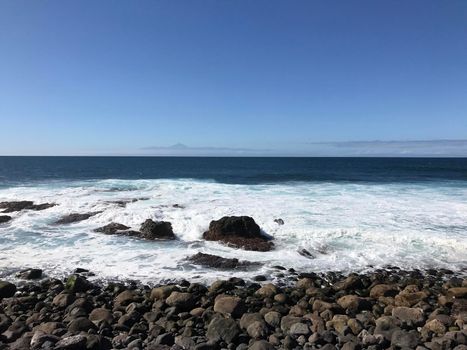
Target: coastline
[381, 309]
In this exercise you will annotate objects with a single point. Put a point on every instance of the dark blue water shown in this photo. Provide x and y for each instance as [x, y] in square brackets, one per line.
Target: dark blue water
[19, 170]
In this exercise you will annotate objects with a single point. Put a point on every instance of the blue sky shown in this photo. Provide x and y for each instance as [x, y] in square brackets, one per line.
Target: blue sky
[242, 77]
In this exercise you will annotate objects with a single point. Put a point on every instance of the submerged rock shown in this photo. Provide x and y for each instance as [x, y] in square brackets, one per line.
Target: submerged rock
[9, 207]
[75, 217]
[238, 231]
[218, 262]
[279, 221]
[4, 218]
[111, 228]
[156, 230]
[305, 253]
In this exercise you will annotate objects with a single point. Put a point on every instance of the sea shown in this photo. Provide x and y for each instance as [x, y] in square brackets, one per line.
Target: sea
[350, 214]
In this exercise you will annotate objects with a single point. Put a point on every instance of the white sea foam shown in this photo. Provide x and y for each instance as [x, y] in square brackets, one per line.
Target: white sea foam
[345, 226]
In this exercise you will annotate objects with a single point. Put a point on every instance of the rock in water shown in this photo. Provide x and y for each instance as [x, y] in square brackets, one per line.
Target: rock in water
[9, 207]
[75, 217]
[30, 274]
[156, 230]
[7, 289]
[111, 228]
[4, 218]
[214, 261]
[279, 221]
[238, 231]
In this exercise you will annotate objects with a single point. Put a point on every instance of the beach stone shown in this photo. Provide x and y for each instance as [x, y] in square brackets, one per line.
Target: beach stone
[404, 339]
[48, 327]
[39, 338]
[386, 325]
[457, 292]
[288, 321]
[80, 324]
[217, 262]
[435, 326]
[249, 318]
[351, 282]
[220, 328]
[459, 308]
[298, 329]
[339, 322]
[383, 290]
[111, 228]
[354, 303]
[320, 305]
[355, 326]
[273, 318]
[100, 315]
[197, 312]
[9, 207]
[75, 342]
[161, 293]
[7, 289]
[412, 316]
[4, 218]
[77, 283]
[229, 305]
[154, 230]
[261, 345]
[238, 231]
[14, 331]
[75, 217]
[267, 291]
[30, 274]
[410, 296]
[257, 330]
[279, 221]
[181, 300]
[63, 299]
[304, 283]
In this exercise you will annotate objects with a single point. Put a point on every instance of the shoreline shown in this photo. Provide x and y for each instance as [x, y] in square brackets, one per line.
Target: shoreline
[380, 309]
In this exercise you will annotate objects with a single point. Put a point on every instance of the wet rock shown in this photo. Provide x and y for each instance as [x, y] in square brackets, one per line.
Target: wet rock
[7, 289]
[238, 231]
[267, 291]
[63, 300]
[30, 274]
[184, 301]
[9, 207]
[350, 283]
[99, 315]
[4, 218]
[279, 221]
[214, 261]
[305, 253]
[111, 228]
[220, 328]
[457, 292]
[75, 342]
[154, 230]
[229, 305]
[354, 303]
[126, 297]
[383, 290]
[75, 217]
[77, 283]
[161, 293]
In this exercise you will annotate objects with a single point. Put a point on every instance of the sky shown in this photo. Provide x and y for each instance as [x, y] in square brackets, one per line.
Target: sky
[233, 77]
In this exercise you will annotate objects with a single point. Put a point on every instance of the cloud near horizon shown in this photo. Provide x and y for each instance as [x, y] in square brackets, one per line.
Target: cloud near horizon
[375, 148]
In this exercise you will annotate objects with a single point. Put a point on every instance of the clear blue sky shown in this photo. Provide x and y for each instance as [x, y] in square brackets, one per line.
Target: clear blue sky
[130, 77]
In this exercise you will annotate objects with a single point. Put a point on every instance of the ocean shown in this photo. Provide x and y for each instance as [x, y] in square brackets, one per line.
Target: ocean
[351, 214]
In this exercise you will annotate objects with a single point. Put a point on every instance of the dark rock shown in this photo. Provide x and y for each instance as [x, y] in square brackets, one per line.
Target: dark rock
[75, 342]
[214, 261]
[404, 339]
[279, 221]
[9, 207]
[238, 231]
[4, 218]
[30, 274]
[257, 330]
[220, 328]
[183, 301]
[99, 315]
[229, 305]
[261, 345]
[111, 228]
[80, 324]
[75, 217]
[7, 289]
[77, 283]
[63, 300]
[305, 253]
[153, 230]
[13, 332]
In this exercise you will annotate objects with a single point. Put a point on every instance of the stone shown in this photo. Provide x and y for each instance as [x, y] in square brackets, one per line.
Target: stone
[220, 328]
[411, 316]
[126, 297]
[435, 326]
[181, 300]
[229, 305]
[349, 283]
[80, 324]
[9, 207]
[386, 325]
[217, 262]
[339, 322]
[75, 217]
[30, 274]
[279, 221]
[257, 330]
[63, 300]
[261, 345]
[273, 318]
[305, 283]
[154, 230]
[298, 329]
[40, 338]
[457, 292]
[111, 228]
[99, 315]
[161, 293]
[76, 283]
[353, 303]
[383, 290]
[239, 232]
[75, 342]
[267, 291]
[7, 289]
[404, 339]
[288, 321]
[4, 218]
[249, 318]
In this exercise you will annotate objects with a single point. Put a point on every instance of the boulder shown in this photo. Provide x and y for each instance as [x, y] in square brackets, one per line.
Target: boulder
[267, 291]
[30, 274]
[153, 230]
[239, 232]
[100, 315]
[273, 318]
[249, 318]
[75, 217]
[161, 293]
[220, 328]
[77, 283]
[217, 262]
[111, 228]
[261, 345]
[9, 207]
[229, 305]
[75, 342]
[184, 301]
[4, 218]
[257, 330]
[408, 315]
[7, 289]
[383, 290]
[404, 339]
[63, 299]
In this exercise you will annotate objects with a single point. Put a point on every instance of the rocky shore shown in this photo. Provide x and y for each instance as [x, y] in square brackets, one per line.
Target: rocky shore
[383, 309]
